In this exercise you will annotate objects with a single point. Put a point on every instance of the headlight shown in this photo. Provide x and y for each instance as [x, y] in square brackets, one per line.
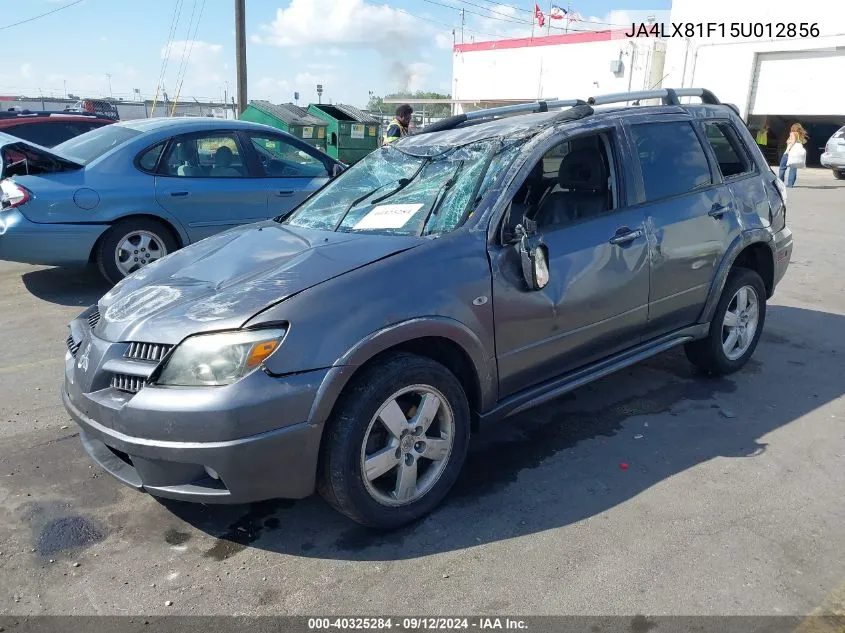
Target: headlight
[218, 359]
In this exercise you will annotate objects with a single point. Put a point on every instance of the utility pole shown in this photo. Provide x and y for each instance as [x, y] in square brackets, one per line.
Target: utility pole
[462, 26]
[110, 92]
[240, 56]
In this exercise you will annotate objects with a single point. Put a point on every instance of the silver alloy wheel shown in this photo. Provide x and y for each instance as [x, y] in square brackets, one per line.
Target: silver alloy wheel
[407, 445]
[740, 323]
[136, 250]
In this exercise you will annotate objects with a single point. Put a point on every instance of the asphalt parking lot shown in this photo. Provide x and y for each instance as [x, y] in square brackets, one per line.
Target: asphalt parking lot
[731, 501]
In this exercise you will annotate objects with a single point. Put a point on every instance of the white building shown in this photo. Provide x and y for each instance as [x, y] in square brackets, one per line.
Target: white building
[765, 68]
[576, 65]
[771, 79]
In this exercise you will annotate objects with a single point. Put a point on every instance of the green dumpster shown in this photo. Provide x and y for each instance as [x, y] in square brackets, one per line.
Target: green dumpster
[351, 133]
[291, 119]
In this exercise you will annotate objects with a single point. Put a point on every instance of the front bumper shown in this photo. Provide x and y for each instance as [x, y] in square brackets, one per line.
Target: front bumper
[833, 161]
[245, 442]
[49, 244]
[783, 252]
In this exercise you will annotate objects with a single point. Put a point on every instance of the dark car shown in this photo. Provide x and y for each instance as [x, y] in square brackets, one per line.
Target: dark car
[446, 281]
[49, 129]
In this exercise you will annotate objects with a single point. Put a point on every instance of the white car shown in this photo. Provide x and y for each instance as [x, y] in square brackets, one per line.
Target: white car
[834, 154]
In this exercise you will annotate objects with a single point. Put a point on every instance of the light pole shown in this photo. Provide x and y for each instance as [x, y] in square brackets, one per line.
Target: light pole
[110, 92]
[240, 53]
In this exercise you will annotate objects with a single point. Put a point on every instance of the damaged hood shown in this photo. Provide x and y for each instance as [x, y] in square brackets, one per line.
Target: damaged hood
[224, 280]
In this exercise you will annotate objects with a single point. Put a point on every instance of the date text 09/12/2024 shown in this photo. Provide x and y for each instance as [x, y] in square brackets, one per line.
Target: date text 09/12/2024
[416, 623]
[724, 29]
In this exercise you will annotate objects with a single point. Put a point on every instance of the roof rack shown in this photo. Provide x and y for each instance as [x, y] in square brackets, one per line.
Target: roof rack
[669, 96]
[11, 113]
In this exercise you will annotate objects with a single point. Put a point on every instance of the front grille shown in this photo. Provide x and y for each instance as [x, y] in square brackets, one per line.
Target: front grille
[147, 351]
[72, 346]
[94, 318]
[124, 382]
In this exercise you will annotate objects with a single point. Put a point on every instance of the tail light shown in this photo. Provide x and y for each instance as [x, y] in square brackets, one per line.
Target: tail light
[13, 195]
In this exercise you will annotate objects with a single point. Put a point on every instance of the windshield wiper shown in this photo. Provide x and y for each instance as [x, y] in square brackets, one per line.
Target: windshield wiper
[441, 196]
[403, 182]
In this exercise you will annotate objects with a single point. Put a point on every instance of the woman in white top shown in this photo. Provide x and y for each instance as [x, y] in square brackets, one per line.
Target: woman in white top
[797, 134]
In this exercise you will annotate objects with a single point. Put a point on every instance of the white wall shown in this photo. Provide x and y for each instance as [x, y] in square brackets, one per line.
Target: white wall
[725, 65]
[562, 71]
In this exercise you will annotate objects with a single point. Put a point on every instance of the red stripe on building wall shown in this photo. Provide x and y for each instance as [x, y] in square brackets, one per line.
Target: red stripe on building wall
[548, 40]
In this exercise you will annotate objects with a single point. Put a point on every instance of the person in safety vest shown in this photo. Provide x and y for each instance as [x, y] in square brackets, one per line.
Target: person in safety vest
[763, 135]
[399, 125]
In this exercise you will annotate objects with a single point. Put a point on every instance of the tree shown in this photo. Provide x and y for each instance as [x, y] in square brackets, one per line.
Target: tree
[377, 104]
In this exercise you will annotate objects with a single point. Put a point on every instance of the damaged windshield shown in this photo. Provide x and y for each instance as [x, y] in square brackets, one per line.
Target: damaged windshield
[396, 192]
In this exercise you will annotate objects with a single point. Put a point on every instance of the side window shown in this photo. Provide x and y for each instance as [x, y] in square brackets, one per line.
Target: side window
[732, 160]
[149, 159]
[573, 181]
[671, 158]
[281, 159]
[212, 156]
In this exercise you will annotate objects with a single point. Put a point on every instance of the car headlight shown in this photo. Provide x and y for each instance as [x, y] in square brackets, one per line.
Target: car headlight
[218, 359]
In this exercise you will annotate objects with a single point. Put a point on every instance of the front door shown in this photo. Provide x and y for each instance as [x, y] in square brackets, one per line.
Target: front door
[691, 218]
[205, 181]
[292, 170]
[596, 301]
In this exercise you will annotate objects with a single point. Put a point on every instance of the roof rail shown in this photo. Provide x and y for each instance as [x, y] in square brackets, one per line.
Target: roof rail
[10, 113]
[669, 96]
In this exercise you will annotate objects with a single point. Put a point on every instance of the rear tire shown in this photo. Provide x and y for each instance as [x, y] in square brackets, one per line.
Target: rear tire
[130, 244]
[735, 328]
[376, 464]
[839, 175]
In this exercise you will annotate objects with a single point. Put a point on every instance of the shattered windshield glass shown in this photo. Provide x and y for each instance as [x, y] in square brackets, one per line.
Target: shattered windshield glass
[396, 192]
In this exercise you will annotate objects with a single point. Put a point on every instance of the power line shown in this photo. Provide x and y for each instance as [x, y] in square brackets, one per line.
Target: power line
[450, 27]
[193, 39]
[66, 6]
[449, 6]
[174, 22]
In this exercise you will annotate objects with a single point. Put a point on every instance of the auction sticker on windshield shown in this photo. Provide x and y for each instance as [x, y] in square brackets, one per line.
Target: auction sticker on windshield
[388, 216]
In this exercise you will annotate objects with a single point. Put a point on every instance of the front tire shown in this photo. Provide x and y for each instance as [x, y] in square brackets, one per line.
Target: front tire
[839, 175]
[736, 326]
[131, 244]
[396, 442]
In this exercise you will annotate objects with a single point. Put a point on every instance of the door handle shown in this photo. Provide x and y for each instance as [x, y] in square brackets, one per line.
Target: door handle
[718, 210]
[179, 194]
[285, 193]
[624, 238]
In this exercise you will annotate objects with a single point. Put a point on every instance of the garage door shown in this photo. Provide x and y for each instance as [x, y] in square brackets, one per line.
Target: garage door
[799, 82]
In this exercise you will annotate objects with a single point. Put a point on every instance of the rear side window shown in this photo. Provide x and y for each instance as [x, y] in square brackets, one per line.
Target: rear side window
[731, 158]
[149, 159]
[90, 146]
[671, 159]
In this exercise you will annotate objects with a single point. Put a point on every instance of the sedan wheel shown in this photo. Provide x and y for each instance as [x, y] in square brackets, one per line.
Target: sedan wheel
[131, 244]
[407, 445]
[136, 250]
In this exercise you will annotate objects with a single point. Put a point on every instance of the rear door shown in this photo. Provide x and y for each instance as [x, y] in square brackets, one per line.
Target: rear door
[690, 215]
[290, 171]
[207, 182]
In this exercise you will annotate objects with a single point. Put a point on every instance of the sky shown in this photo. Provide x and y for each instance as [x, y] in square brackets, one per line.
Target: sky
[351, 47]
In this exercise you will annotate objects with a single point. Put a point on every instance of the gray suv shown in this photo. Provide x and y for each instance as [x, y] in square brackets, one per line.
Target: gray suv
[449, 280]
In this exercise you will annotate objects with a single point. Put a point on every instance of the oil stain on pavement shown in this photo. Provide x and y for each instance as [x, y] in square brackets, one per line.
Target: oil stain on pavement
[57, 529]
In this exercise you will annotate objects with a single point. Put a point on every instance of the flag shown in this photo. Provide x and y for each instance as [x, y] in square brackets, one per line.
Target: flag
[556, 12]
[541, 19]
[574, 16]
